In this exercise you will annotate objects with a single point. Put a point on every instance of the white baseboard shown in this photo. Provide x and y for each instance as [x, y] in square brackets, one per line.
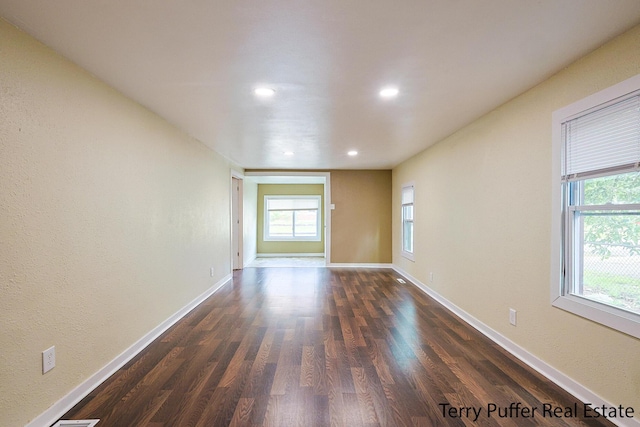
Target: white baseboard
[289, 255]
[583, 394]
[359, 265]
[579, 391]
[63, 405]
[248, 261]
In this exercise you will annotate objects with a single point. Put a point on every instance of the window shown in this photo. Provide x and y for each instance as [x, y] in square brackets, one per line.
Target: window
[407, 221]
[292, 218]
[600, 209]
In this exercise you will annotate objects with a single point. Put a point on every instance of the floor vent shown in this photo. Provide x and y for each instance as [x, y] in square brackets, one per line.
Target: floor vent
[76, 423]
[401, 281]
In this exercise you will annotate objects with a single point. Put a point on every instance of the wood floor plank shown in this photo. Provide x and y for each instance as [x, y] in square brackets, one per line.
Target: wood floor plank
[242, 414]
[322, 347]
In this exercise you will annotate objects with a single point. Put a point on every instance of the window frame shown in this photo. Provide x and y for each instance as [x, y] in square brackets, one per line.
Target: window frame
[407, 254]
[266, 234]
[563, 223]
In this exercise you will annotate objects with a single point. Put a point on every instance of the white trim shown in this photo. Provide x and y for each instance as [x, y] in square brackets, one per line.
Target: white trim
[266, 224]
[406, 254]
[237, 258]
[239, 176]
[327, 198]
[359, 265]
[615, 318]
[327, 216]
[610, 207]
[76, 423]
[597, 99]
[571, 386]
[288, 174]
[618, 319]
[63, 405]
[289, 255]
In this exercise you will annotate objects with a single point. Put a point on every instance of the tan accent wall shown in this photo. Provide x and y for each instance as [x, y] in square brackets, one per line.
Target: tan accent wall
[271, 247]
[483, 226]
[361, 220]
[110, 221]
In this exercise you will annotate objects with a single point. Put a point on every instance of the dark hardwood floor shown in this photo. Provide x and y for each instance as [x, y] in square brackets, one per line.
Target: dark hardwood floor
[325, 347]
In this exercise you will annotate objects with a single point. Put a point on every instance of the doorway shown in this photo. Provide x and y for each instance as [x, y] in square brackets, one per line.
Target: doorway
[287, 255]
[236, 222]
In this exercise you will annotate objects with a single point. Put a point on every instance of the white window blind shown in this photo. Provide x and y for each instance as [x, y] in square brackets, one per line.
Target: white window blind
[407, 195]
[293, 204]
[603, 140]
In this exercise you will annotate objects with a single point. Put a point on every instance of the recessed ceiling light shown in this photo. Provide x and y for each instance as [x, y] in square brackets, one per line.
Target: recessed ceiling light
[389, 92]
[352, 153]
[288, 153]
[264, 92]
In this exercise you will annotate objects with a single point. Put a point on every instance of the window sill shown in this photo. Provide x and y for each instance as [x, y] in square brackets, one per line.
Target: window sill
[293, 239]
[620, 320]
[408, 255]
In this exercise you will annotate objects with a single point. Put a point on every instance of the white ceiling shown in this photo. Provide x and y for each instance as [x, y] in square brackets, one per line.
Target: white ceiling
[197, 62]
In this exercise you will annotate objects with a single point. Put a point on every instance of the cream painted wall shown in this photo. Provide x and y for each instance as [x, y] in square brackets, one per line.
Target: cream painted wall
[110, 220]
[275, 247]
[483, 219]
[250, 220]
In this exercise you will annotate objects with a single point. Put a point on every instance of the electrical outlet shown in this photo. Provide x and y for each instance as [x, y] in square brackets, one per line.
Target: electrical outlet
[431, 277]
[212, 271]
[512, 316]
[48, 359]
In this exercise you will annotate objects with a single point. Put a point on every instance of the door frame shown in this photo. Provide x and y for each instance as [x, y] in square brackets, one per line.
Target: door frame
[236, 211]
[327, 199]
